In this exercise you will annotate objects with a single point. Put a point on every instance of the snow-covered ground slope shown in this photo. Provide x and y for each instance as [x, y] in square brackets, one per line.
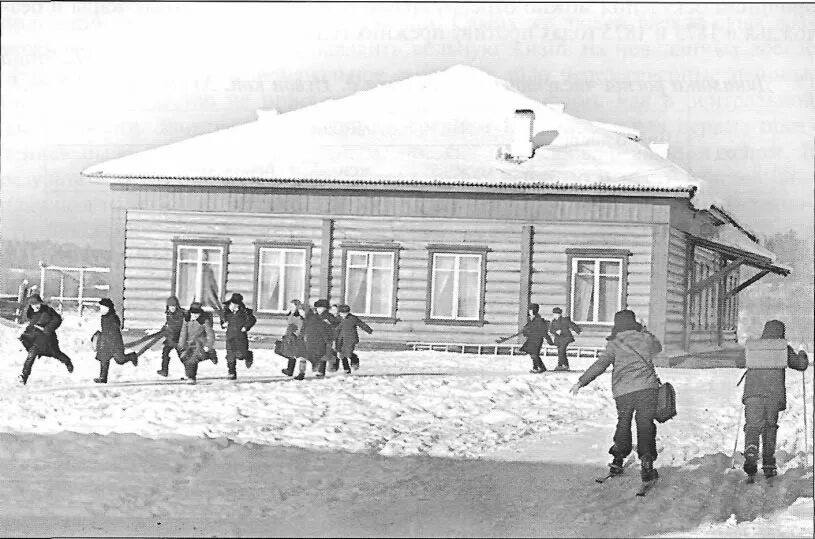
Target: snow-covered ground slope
[413, 404]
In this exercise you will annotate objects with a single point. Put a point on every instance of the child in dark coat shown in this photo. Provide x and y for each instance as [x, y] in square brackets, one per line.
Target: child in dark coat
[315, 338]
[348, 338]
[535, 331]
[238, 321]
[172, 331]
[196, 340]
[561, 327]
[40, 336]
[109, 343]
[765, 395]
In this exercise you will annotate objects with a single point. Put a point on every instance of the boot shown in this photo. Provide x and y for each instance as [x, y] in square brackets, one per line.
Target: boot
[162, 372]
[100, 380]
[647, 471]
[751, 460]
[134, 358]
[302, 374]
[69, 366]
[287, 372]
[770, 471]
[616, 466]
[191, 381]
[249, 359]
[22, 379]
[232, 376]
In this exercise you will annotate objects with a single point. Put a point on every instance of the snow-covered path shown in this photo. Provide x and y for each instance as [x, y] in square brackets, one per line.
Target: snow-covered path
[519, 452]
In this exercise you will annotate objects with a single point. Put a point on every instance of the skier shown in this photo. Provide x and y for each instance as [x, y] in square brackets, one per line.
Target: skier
[40, 336]
[765, 395]
[109, 342]
[535, 331]
[348, 338]
[196, 340]
[561, 327]
[634, 384]
[315, 338]
[174, 315]
[238, 320]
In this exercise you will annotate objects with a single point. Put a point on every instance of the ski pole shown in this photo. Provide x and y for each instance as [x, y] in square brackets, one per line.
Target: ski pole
[736, 444]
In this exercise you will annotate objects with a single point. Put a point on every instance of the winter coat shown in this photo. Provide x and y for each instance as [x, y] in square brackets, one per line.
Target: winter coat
[316, 338]
[237, 340]
[535, 331]
[333, 323]
[110, 341]
[630, 372]
[172, 326]
[565, 325]
[771, 383]
[347, 335]
[46, 339]
[196, 334]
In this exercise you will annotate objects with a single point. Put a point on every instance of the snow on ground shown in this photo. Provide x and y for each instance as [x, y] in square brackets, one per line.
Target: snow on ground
[412, 404]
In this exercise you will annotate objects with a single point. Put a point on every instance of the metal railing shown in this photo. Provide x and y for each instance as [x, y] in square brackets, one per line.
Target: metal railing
[76, 274]
[501, 349]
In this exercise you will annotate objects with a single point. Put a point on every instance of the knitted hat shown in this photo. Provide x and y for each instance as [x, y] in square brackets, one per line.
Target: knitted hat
[773, 329]
[195, 307]
[322, 303]
[172, 301]
[107, 302]
[35, 298]
[557, 310]
[344, 309]
[534, 307]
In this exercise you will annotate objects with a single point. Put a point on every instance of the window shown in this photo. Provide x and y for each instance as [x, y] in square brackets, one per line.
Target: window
[456, 278]
[200, 272]
[597, 284]
[282, 275]
[369, 284]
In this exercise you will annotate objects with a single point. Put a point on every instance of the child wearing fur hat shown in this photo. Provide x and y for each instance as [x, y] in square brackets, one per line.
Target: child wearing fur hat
[765, 395]
[174, 320]
[196, 340]
[40, 336]
[238, 320]
[109, 343]
[315, 338]
[348, 338]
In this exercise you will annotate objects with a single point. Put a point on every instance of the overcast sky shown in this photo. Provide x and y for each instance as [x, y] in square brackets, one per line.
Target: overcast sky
[731, 87]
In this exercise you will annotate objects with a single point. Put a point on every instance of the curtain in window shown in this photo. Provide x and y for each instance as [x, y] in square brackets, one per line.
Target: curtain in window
[356, 286]
[469, 286]
[210, 285]
[443, 267]
[185, 280]
[584, 291]
[295, 277]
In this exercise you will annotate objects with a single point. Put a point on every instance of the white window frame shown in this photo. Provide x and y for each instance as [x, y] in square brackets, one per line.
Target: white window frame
[283, 267]
[456, 285]
[596, 308]
[368, 279]
[199, 268]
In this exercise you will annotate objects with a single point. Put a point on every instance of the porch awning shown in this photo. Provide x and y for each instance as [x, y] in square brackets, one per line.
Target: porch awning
[734, 244]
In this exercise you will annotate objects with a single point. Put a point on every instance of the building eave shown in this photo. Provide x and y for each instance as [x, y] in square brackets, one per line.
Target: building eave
[421, 184]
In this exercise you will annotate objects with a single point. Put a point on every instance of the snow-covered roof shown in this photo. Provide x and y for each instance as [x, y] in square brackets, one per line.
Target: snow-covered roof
[447, 128]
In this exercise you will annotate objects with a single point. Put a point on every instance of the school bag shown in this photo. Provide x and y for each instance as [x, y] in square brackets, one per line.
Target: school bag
[765, 353]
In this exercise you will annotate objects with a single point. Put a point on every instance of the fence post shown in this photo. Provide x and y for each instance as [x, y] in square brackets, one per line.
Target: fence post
[61, 292]
[81, 291]
[42, 280]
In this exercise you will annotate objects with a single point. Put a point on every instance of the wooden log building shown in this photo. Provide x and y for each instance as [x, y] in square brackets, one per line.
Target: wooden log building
[438, 208]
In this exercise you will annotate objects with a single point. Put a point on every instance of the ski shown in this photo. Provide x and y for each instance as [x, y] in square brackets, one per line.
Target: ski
[607, 477]
[646, 487]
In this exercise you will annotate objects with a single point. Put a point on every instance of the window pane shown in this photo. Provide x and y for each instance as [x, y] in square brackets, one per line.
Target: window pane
[469, 290]
[355, 289]
[295, 258]
[270, 256]
[444, 262]
[188, 254]
[610, 268]
[607, 300]
[185, 283]
[381, 284]
[269, 291]
[381, 260]
[357, 259]
[583, 298]
[210, 286]
[442, 300]
[585, 267]
[469, 263]
[295, 285]
[211, 256]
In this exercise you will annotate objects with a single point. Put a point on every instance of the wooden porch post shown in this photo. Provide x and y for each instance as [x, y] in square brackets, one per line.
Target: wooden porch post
[719, 303]
[117, 259]
[326, 252]
[527, 232]
[690, 253]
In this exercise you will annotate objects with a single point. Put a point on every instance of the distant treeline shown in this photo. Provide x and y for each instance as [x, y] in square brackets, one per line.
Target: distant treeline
[27, 254]
[789, 299]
